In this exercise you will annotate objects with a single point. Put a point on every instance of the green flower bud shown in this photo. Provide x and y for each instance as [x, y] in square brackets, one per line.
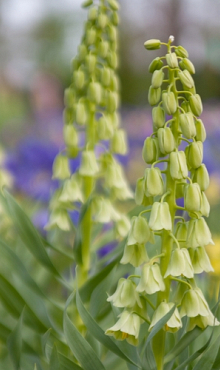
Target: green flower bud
[81, 115]
[152, 44]
[154, 95]
[194, 304]
[135, 254]
[192, 197]
[157, 79]
[103, 48]
[205, 206]
[198, 233]
[196, 104]
[173, 324]
[112, 59]
[61, 169]
[82, 51]
[106, 76]
[185, 106]
[140, 197]
[104, 128]
[187, 125]
[186, 78]
[95, 92]
[91, 62]
[123, 226]
[112, 33]
[79, 79]
[150, 150]
[112, 101]
[69, 97]
[59, 218]
[200, 260]
[72, 190]
[113, 4]
[156, 64]
[70, 136]
[140, 232]
[114, 18]
[202, 321]
[75, 64]
[88, 165]
[91, 36]
[185, 63]
[169, 102]
[180, 264]
[115, 83]
[103, 211]
[160, 217]
[127, 327]
[172, 60]
[151, 280]
[119, 142]
[153, 182]
[93, 13]
[178, 166]
[102, 20]
[181, 233]
[201, 176]
[200, 131]
[68, 116]
[194, 154]
[125, 294]
[158, 116]
[181, 52]
[87, 3]
[166, 140]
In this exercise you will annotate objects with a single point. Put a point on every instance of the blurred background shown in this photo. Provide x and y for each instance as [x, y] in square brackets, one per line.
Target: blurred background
[39, 38]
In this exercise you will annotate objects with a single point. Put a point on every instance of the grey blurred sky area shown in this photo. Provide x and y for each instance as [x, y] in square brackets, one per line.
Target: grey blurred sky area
[196, 23]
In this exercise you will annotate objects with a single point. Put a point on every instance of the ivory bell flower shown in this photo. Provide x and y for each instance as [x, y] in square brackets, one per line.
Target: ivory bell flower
[151, 280]
[125, 294]
[180, 264]
[173, 324]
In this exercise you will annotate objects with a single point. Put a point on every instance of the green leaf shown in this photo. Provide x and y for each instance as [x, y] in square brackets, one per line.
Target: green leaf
[14, 343]
[28, 233]
[67, 364]
[54, 360]
[97, 332]
[183, 343]
[208, 357]
[79, 346]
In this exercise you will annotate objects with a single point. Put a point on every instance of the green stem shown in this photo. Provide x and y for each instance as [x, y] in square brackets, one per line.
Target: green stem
[181, 281]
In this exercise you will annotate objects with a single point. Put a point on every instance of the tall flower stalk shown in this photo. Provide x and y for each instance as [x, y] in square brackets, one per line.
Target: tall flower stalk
[176, 144]
[92, 132]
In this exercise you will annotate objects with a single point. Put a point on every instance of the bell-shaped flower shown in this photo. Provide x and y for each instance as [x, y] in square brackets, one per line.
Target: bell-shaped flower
[122, 193]
[61, 168]
[103, 211]
[194, 304]
[153, 182]
[166, 140]
[59, 218]
[119, 142]
[158, 117]
[192, 197]
[198, 233]
[140, 197]
[202, 321]
[173, 324]
[196, 104]
[160, 217]
[70, 136]
[151, 280]
[135, 254]
[88, 165]
[150, 150]
[200, 260]
[172, 60]
[125, 294]
[81, 114]
[181, 233]
[201, 176]
[154, 95]
[178, 166]
[169, 102]
[105, 128]
[127, 327]
[180, 264]
[194, 154]
[205, 206]
[187, 125]
[72, 190]
[200, 130]
[123, 226]
[140, 231]
[114, 176]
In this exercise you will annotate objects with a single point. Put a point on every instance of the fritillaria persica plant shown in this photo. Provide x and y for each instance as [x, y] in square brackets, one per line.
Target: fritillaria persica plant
[176, 144]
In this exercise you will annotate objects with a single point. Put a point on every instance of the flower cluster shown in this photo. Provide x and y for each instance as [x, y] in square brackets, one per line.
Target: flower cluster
[92, 127]
[183, 230]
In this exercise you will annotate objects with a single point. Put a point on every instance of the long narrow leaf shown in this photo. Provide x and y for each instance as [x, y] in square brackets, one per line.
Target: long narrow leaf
[79, 346]
[97, 332]
[208, 358]
[14, 343]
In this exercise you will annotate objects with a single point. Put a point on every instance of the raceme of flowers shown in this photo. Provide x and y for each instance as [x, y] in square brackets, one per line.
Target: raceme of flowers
[92, 127]
[183, 231]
